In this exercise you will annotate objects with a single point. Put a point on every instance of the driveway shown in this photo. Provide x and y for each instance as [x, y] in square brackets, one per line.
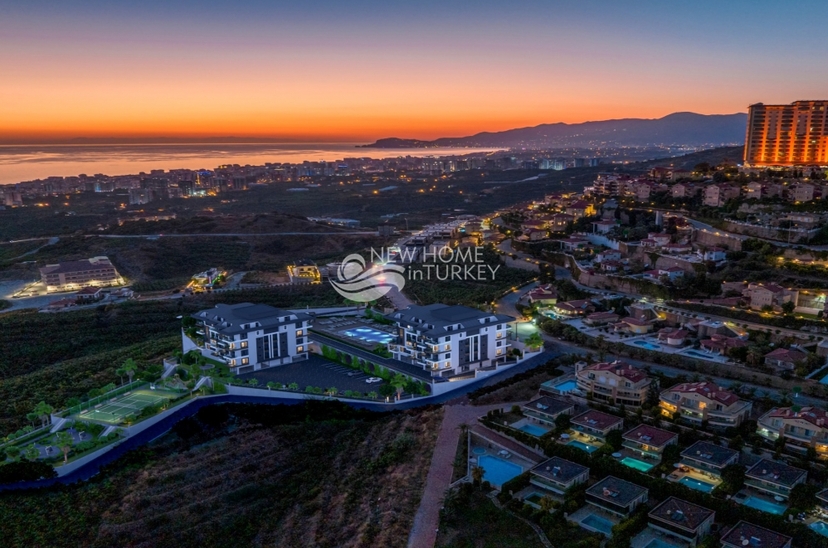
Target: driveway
[318, 372]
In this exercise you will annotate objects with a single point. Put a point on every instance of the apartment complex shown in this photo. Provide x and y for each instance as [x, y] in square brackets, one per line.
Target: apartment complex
[801, 427]
[615, 382]
[447, 339]
[698, 402]
[248, 337]
[787, 135]
[74, 275]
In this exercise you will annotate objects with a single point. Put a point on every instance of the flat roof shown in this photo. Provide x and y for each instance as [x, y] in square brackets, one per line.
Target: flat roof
[709, 452]
[616, 491]
[435, 318]
[549, 405]
[229, 318]
[776, 472]
[746, 534]
[650, 435]
[558, 469]
[681, 513]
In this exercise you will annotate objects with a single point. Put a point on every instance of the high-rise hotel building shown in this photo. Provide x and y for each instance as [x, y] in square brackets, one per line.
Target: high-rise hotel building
[787, 135]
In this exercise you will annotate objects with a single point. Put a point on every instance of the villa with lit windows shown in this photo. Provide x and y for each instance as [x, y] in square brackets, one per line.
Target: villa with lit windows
[801, 427]
[249, 337]
[615, 382]
[700, 402]
[304, 272]
[648, 441]
[448, 340]
[592, 427]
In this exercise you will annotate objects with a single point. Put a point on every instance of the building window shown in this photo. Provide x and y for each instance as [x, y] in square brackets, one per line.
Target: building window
[300, 348]
[300, 333]
[245, 361]
[244, 344]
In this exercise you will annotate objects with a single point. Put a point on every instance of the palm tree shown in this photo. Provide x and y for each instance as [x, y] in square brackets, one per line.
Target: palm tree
[64, 441]
[332, 391]
[120, 372]
[547, 504]
[373, 395]
[271, 385]
[477, 475]
[32, 417]
[398, 382]
[32, 453]
[293, 386]
[43, 410]
[129, 368]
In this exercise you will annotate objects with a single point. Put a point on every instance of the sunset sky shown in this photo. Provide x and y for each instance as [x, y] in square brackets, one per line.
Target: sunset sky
[360, 70]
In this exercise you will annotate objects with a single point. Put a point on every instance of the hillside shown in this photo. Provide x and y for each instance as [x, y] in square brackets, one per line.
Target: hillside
[317, 474]
[680, 128]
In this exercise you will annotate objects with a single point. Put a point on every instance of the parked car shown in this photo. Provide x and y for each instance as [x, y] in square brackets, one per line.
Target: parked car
[372, 380]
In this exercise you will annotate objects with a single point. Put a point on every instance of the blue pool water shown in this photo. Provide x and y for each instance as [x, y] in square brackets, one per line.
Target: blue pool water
[647, 345]
[369, 335]
[764, 506]
[820, 527]
[636, 464]
[698, 485]
[534, 429]
[656, 543]
[583, 446]
[567, 386]
[479, 451]
[824, 380]
[701, 355]
[497, 471]
[598, 523]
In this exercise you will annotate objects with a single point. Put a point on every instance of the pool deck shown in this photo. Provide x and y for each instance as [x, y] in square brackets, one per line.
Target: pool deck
[678, 474]
[645, 537]
[748, 492]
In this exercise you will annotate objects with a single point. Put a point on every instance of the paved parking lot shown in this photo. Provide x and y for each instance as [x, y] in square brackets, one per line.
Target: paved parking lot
[316, 371]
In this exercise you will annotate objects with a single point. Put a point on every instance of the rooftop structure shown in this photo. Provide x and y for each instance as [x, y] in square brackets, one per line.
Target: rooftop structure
[616, 495]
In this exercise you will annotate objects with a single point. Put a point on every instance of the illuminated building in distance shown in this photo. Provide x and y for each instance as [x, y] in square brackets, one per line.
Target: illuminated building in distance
[787, 135]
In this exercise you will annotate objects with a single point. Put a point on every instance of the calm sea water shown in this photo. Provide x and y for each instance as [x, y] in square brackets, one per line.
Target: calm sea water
[24, 163]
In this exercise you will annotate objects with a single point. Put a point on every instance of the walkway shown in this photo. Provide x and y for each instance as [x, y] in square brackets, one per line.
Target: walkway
[424, 532]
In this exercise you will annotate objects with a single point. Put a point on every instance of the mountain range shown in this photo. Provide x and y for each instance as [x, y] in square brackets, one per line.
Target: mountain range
[677, 129]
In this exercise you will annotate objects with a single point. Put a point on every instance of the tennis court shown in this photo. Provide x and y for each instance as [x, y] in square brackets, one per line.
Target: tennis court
[131, 403]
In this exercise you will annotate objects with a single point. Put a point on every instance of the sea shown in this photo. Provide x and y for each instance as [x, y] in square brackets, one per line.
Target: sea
[19, 163]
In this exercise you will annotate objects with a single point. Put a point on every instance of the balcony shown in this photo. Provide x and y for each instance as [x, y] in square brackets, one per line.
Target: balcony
[768, 487]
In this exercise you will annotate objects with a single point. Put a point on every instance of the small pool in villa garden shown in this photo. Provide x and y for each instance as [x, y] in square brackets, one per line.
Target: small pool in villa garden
[636, 464]
[656, 543]
[647, 345]
[597, 523]
[583, 446]
[820, 527]
[698, 485]
[498, 471]
[479, 451]
[534, 498]
[764, 505]
[368, 334]
[561, 387]
[701, 355]
[534, 429]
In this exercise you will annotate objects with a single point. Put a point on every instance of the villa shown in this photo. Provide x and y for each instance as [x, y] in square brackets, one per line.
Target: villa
[672, 336]
[600, 318]
[720, 344]
[558, 475]
[545, 295]
[615, 382]
[708, 459]
[249, 337]
[616, 496]
[698, 402]
[773, 478]
[801, 427]
[649, 441]
[746, 534]
[574, 308]
[634, 326]
[546, 409]
[596, 424]
[304, 272]
[682, 519]
[784, 359]
[450, 339]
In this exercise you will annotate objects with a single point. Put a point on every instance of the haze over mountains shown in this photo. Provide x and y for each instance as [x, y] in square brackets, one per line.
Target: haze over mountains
[677, 129]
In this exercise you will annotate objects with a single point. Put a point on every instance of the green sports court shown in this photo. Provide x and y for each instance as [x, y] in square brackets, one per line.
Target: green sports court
[131, 403]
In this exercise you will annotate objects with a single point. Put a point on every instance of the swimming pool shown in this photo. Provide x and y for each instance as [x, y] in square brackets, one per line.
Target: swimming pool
[368, 334]
[637, 464]
[656, 543]
[820, 527]
[583, 446]
[497, 471]
[765, 506]
[698, 485]
[702, 355]
[647, 345]
[479, 451]
[566, 386]
[824, 380]
[597, 523]
[534, 430]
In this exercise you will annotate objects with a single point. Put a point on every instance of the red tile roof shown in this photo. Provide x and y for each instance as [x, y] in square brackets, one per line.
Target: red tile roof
[814, 415]
[650, 435]
[707, 389]
[622, 369]
[786, 355]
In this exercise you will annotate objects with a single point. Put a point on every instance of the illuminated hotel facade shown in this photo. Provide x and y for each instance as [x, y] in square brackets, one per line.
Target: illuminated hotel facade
[787, 135]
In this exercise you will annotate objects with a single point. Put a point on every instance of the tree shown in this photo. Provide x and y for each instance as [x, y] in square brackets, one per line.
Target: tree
[534, 340]
[734, 476]
[13, 452]
[373, 395]
[332, 391]
[31, 453]
[293, 386]
[271, 385]
[130, 367]
[399, 381]
[563, 422]
[120, 372]
[803, 497]
[64, 442]
[788, 307]
[477, 475]
[32, 417]
[615, 439]
[43, 410]
[547, 503]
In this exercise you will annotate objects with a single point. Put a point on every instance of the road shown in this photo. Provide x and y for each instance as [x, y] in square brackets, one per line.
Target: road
[230, 235]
